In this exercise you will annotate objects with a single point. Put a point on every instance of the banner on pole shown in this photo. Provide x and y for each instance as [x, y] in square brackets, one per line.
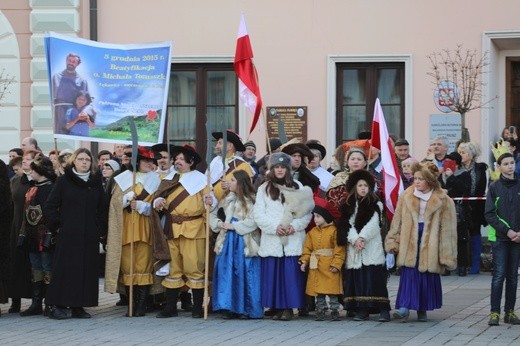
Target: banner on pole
[96, 86]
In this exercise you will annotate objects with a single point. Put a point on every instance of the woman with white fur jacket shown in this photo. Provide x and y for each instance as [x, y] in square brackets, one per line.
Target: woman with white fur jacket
[282, 211]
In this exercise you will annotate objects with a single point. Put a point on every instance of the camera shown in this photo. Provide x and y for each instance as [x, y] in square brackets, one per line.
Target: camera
[512, 129]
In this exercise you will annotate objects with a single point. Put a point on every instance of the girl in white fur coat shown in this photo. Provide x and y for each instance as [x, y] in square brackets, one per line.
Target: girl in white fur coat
[282, 211]
[236, 275]
[359, 228]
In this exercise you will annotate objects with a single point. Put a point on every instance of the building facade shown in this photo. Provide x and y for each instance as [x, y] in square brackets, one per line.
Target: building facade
[332, 57]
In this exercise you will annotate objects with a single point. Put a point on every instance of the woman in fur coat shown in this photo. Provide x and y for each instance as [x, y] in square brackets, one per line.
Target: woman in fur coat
[236, 277]
[359, 228]
[423, 235]
[282, 211]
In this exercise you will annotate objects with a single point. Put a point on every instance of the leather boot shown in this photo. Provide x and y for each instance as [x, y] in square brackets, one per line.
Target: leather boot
[186, 304]
[123, 300]
[15, 305]
[140, 305]
[170, 309]
[36, 305]
[198, 298]
[47, 310]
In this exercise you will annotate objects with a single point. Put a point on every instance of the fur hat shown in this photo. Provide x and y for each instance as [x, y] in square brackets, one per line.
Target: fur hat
[280, 159]
[43, 166]
[361, 174]
[232, 137]
[113, 164]
[298, 148]
[326, 209]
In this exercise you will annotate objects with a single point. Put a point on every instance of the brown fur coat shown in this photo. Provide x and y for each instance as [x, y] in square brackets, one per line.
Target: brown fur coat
[438, 248]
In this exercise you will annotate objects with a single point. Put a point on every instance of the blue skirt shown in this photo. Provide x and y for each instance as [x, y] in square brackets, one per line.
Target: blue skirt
[282, 283]
[418, 291]
[236, 279]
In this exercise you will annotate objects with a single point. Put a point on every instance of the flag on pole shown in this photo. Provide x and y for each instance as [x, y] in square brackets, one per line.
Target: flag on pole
[249, 88]
[392, 182]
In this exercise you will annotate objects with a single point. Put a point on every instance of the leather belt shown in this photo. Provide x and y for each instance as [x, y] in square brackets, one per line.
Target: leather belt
[178, 219]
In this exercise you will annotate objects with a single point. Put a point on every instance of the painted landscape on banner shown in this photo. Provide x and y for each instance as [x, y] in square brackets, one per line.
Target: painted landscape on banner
[96, 86]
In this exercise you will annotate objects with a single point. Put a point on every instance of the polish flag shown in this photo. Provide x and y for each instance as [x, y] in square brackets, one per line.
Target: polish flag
[392, 182]
[248, 88]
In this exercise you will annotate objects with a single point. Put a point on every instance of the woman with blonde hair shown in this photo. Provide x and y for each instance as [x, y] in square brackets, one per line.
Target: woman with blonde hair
[75, 210]
[423, 236]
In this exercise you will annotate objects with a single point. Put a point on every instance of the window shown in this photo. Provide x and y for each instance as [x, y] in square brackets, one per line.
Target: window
[358, 86]
[199, 92]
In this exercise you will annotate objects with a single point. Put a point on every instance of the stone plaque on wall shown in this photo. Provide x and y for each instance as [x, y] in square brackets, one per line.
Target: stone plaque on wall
[289, 120]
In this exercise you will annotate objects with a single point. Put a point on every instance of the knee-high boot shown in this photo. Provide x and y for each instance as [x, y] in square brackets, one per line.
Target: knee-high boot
[476, 249]
[198, 298]
[186, 303]
[170, 309]
[142, 295]
[36, 305]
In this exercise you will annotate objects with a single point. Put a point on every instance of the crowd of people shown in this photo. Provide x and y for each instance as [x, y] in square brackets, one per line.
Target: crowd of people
[285, 233]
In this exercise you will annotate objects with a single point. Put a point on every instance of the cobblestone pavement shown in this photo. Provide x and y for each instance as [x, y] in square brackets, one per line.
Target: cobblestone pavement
[461, 321]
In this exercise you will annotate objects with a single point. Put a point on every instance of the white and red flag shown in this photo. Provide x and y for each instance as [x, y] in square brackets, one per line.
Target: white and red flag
[248, 88]
[392, 182]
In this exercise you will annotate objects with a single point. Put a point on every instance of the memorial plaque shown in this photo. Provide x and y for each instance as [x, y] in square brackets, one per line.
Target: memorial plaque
[289, 120]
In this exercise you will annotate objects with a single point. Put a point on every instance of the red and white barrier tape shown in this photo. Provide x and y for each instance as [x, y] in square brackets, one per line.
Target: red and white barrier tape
[469, 198]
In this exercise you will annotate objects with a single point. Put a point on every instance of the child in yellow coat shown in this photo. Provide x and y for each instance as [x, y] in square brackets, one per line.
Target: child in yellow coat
[325, 259]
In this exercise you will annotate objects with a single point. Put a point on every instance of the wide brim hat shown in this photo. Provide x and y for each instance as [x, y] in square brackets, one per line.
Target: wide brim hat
[318, 147]
[146, 153]
[231, 137]
[187, 150]
[358, 175]
[300, 148]
[162, 147]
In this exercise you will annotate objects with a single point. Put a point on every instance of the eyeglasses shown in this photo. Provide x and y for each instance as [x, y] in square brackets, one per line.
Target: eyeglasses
[87, 159]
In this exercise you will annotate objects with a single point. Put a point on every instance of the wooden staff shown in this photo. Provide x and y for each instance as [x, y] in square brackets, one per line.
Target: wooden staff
[206, 254]
[133, 214]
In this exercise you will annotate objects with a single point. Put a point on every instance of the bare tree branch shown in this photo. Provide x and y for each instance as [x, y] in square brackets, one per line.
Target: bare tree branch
[465, 69]
[5, 81]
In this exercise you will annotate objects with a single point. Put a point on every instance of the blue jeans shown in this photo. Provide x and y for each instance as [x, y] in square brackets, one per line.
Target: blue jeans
[41, 261]
[506, 256]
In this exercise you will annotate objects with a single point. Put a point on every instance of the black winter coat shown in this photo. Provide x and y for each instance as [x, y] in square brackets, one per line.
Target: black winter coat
[75, 209]
[20, 265]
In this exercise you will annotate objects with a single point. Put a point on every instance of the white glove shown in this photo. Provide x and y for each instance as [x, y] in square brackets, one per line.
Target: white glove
[127, 198]
[390, 260]
[143, 208]
[157, 200]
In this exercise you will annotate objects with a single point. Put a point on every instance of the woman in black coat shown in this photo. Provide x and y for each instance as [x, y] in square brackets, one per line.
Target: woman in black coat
[75, 209]
[5, 226]
[20, 285]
